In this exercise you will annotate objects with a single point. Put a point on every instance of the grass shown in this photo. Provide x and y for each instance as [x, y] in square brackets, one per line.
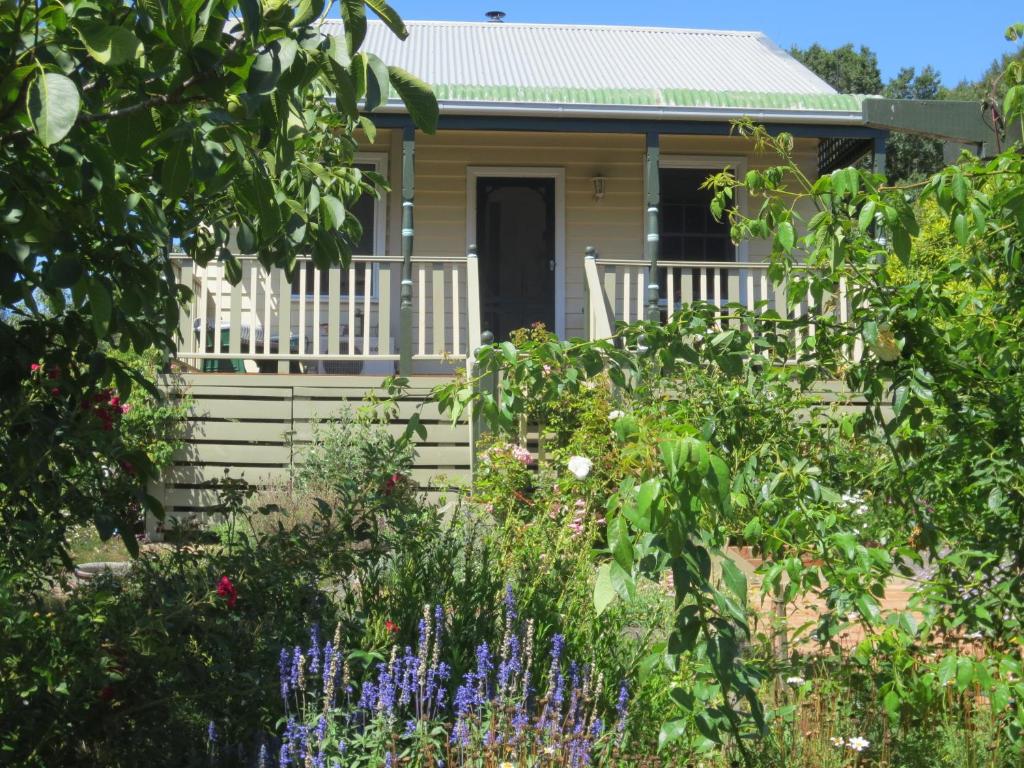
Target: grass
[87, 547]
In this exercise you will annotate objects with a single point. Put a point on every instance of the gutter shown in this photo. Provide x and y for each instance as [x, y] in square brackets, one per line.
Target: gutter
[512, 109]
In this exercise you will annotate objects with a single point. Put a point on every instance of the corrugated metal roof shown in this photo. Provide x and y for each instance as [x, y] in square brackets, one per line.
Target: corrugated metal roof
[617, 67]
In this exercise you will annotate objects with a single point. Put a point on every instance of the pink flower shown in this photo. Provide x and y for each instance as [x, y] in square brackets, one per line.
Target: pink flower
[35, 367]
[521, 455]
[547, 370]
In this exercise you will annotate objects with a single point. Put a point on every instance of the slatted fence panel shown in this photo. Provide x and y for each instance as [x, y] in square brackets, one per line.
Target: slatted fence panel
[256, 428]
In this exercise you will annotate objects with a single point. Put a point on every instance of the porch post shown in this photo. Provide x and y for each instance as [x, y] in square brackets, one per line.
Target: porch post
[878, 153]
[652, 190]
[408, 187]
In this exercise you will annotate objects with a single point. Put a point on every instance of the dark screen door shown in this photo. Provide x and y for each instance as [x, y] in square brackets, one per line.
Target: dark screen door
[515, 230]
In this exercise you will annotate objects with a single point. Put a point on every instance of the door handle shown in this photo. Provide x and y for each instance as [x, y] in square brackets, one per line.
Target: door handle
[551, 265]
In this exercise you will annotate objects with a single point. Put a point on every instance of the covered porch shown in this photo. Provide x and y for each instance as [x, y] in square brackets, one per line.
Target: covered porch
[493, 224]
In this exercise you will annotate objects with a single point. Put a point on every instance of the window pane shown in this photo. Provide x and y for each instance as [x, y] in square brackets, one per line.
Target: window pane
[688, 230]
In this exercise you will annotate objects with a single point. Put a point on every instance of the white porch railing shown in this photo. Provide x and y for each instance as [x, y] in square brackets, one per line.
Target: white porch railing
[326, 321]
[617, 292]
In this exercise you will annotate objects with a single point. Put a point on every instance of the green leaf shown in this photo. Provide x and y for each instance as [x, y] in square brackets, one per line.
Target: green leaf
[353, 16]
[251, 17]
[867, 216]
[734, 579]
[418, 98]
[388, 15]
[377, 88]
[100, 306]
[53, 103]
[65, 271]
[604, 592]
[176, 171]
[334, 211]
[786, 236]
[368, 128]
[964, 672]
[270, 65]
[109, 44]
[671, 732]
[619, 542]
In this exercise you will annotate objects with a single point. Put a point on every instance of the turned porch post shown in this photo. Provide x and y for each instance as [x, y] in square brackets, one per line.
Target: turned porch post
[652, 190]
[408, 188]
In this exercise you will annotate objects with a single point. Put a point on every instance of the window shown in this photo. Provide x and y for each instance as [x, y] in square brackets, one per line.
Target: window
[370, 212]
[688, 230]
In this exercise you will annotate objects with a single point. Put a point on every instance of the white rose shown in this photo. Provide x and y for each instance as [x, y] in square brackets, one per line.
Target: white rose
[580, 466]
[615, 415]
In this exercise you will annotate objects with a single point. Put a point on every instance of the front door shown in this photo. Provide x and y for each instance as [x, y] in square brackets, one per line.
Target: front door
[515, 230]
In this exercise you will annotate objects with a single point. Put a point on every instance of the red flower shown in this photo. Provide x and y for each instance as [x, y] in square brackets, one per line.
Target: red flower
[35, 367]
[227, 590]
[390, 626]
[392, 483]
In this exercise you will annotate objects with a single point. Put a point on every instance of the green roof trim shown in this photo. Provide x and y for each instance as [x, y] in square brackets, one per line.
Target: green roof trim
[627, 97]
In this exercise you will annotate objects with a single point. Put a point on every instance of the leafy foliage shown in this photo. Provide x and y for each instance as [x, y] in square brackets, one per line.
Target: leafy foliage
[130, 130]
[940, 373]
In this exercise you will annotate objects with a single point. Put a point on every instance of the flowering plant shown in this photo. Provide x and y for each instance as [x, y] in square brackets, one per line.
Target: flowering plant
[512, 705]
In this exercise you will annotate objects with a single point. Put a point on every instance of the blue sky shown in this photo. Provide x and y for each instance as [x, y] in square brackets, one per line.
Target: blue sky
[959, 39]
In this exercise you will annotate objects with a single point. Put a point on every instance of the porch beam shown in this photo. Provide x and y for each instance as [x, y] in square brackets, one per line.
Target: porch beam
[652, 193]
[408, 193]
[618, 125]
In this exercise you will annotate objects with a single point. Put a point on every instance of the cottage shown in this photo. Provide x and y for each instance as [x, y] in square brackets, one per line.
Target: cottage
[553, 139]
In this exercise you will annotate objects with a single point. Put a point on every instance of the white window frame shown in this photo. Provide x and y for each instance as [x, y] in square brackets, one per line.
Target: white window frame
[379, 161]
[476, 172]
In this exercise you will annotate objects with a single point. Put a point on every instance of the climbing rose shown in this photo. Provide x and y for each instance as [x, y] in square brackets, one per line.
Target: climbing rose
[227, 590]
[580, 466]
[390, 626]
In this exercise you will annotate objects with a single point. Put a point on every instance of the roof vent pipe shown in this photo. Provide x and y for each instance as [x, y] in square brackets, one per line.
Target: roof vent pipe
[495, 17]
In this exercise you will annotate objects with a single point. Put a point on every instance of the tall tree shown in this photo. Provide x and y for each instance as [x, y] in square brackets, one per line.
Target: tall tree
[910, 157]
[126, 129]
[844, 68]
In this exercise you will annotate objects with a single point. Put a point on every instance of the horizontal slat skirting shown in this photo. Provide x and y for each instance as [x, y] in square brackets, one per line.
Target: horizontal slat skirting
[258, 433]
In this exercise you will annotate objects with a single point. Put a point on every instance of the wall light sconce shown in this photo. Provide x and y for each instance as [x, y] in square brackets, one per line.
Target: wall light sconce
[599, 186]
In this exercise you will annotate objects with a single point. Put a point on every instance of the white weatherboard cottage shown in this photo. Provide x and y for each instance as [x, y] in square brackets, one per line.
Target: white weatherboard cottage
[552, 139]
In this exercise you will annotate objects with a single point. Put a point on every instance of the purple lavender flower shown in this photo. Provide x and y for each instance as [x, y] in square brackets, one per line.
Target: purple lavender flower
[407, 679]
[388, 760]
[293, 675]
[385, 690]
[621, 708]
[438, 624]
[510, 605]
[321, 728]
[263, 761]
[421, 641]
[285, 758]
[314, 649]
[368, 695]
[328, 655]
[283, 665]
[483, 671]
[410, 728]
[211, 733]
[511, 667]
